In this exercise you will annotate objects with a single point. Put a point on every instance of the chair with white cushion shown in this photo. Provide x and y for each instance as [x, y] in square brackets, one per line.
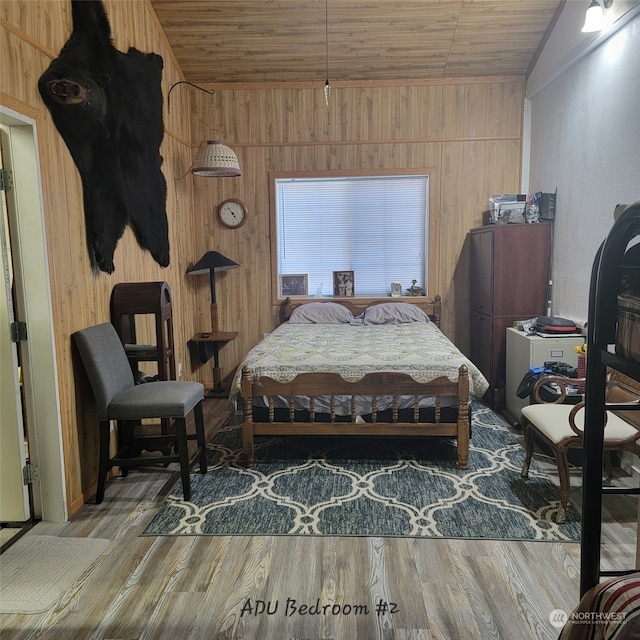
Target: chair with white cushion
[560, 426]
[119, 398]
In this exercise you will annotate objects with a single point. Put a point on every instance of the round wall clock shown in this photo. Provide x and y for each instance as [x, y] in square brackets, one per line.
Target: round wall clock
[232, 213]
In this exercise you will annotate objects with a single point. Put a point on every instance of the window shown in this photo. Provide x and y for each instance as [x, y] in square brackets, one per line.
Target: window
[376, 226]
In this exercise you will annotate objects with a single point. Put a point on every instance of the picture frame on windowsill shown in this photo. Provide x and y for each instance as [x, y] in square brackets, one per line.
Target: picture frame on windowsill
[294, 285]
[343, 284]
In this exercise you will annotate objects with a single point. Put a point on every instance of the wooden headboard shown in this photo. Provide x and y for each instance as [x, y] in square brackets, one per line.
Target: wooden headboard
[432, 307]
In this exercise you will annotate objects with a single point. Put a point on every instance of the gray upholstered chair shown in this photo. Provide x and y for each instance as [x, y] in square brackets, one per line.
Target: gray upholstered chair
[119, 398]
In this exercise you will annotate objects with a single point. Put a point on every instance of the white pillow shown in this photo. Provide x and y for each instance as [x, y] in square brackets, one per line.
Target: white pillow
[394, 313]
[321, 313]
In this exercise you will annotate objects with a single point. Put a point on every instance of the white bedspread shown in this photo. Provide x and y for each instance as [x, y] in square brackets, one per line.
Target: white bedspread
[418, 349]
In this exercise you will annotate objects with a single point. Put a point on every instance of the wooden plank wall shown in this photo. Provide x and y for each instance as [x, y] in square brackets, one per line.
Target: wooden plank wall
[468, 133]
[32, 34]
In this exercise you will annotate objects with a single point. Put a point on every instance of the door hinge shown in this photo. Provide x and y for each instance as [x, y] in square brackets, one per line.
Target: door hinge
[6, 180]
[18, 331]
[30, 473]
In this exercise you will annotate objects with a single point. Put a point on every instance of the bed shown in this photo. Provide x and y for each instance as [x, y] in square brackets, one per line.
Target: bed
[352, 368]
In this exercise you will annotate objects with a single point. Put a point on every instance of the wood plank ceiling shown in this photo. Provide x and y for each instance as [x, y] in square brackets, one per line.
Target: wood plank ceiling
[304, 41]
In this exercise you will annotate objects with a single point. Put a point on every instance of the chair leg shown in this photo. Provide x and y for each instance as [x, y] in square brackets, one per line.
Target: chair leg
[125, 430]
[607, 464]
[200, 439]
[103, 461]
[183, 455]
[528, 443]
[565, 488]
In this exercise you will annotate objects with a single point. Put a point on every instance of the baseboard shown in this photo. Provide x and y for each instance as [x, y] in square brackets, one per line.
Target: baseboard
[513, 422]
[629, 463]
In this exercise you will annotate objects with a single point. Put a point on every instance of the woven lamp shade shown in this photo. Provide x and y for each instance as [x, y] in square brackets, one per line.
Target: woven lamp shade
[216, 160]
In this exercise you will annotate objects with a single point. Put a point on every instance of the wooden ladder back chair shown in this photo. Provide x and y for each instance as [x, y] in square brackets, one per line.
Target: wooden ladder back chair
[560, 426]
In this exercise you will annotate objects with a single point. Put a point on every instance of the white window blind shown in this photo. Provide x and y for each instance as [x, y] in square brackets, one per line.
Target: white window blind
[375, 226]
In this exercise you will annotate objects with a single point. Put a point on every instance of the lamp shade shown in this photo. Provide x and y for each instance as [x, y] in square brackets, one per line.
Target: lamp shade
[594, 19]
[216, 160]
[212, 261]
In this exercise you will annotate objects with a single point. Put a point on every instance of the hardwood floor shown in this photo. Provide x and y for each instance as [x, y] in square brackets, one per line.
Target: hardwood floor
[312, 588]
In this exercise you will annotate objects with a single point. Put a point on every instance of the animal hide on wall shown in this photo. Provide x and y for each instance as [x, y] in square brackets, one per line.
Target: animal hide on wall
[107, 106]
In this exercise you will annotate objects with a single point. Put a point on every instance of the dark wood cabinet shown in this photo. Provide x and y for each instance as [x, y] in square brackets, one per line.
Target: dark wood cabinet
[509, 279]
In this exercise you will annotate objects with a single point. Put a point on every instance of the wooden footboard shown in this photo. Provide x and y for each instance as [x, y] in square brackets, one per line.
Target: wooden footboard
[330, 385]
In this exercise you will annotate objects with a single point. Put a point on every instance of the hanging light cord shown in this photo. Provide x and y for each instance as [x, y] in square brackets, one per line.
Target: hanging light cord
[327, 86]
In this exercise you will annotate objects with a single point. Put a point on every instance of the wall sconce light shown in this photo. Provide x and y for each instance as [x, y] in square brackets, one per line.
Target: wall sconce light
[209, 343]
[594, 19]
[211, 262]
[213, 160]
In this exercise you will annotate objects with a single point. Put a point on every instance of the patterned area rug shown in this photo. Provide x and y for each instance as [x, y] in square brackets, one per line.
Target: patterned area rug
[379, 486]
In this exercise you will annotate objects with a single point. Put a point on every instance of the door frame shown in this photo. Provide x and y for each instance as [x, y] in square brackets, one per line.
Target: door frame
[32, 281]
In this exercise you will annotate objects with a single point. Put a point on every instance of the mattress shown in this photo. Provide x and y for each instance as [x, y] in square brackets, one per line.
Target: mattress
[418, 349]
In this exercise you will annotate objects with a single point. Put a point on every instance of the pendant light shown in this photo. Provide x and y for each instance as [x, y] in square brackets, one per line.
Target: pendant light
[215, 160]
[327, 86]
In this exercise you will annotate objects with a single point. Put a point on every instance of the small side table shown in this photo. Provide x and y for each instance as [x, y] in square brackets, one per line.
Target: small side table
[209, 344]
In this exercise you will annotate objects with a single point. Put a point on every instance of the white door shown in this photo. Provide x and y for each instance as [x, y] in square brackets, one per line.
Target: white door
[33, 305]
[14, 493]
